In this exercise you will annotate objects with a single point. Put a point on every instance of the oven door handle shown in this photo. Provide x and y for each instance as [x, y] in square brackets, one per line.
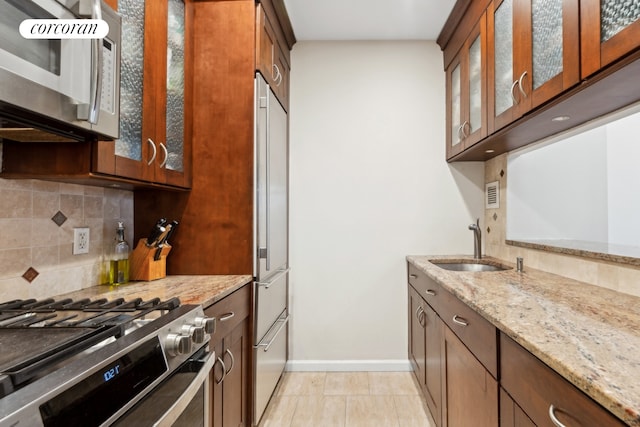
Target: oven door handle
[168, 418]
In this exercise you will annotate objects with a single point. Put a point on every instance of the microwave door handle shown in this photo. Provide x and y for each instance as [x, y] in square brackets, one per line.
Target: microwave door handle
[96, 74]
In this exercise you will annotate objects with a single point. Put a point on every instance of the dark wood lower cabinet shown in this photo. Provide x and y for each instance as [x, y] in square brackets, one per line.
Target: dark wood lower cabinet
[425, 351]
[541, 393]
[471, 393]
[511, 415]
[454, 355]
[229, 381]
[230, 378]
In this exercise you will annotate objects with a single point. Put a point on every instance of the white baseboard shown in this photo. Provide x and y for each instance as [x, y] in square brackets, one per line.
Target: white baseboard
[348, 365]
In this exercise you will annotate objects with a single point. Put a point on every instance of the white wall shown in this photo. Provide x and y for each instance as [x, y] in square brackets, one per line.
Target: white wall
[549, 188]
[623, 157]
[369, 185]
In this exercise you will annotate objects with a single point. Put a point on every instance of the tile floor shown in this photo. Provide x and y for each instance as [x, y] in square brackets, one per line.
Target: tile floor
[347, 399]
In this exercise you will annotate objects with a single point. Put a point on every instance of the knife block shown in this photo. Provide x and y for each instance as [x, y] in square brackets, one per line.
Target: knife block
[143, 266]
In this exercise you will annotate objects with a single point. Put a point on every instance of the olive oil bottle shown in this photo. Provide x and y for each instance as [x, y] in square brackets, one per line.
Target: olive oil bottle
[119, 262]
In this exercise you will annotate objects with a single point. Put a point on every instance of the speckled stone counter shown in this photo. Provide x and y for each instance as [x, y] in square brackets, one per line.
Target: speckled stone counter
[589, 335]
[204, 290]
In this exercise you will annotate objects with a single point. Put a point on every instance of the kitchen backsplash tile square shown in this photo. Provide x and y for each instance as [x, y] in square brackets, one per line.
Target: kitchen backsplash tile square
[31, 238]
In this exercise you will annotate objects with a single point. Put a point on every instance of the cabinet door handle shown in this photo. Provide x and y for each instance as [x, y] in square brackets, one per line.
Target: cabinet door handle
[460, 320]
[224, 371]
[524, 94]
[513, 97]
[155, 151]
[227, 316]
[413, 276]
[460, 133]
[431, 292]
[166, 154]
[418, 312]
[278, 77]
[466, 125]
[552, 415]
[233, 360]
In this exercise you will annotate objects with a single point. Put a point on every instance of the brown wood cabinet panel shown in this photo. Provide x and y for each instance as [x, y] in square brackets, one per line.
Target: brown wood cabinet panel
[272, 55]
[597, 54]
[535, 387]
[417, 336]
[216, 217]
[230, 376]
[471, 392]
[480, 336]
[425, 351]
[230, 311]
[511, 415]
[428, 289]
[527, 96]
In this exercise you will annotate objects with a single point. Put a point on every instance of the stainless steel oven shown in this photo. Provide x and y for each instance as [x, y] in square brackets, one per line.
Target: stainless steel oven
[71, 85]
[151, 370]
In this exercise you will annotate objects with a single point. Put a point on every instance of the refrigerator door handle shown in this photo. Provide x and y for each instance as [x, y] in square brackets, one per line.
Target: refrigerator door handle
[267, 345]
[277, 277]
[267, 184]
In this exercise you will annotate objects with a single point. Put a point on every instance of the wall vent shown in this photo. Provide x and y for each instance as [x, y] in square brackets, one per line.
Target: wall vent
[492, 194]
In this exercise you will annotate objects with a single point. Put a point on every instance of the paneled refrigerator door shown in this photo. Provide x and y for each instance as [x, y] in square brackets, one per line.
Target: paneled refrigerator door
[271, 252]
[271, 184]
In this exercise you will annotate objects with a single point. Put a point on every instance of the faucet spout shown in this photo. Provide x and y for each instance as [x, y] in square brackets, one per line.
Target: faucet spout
[477, 239]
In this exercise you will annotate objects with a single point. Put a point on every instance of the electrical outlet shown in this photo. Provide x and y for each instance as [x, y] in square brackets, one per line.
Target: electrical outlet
[81, 240]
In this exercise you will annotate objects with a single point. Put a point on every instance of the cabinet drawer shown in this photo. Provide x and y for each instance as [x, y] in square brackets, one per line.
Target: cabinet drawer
[229, 312]
[427, 288]
[535, 387]
[480, 336]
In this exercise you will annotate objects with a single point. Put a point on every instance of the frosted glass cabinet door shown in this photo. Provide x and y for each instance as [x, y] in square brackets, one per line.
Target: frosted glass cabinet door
[503, 59]
[175, 87]
[610, 29]
[543, 63]
[456, 106]
[129, 145]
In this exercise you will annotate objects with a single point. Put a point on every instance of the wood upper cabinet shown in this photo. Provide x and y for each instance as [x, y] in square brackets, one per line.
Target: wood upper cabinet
[609, 30]
[535, 395]
[154, 143]
[272, 55]
[533, 55]
[467, 92]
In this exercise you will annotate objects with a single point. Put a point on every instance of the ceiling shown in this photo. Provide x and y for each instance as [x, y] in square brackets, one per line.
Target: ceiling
[368, 19]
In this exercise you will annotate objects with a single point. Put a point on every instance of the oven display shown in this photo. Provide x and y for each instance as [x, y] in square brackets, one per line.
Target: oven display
[97, 397]
[111, 373]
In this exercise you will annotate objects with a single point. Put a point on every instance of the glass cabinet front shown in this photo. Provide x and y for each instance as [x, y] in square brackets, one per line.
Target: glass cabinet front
[175, 86]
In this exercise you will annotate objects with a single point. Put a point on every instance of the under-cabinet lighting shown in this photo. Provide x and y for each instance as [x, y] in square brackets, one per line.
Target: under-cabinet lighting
[560, 119]
[489, 151]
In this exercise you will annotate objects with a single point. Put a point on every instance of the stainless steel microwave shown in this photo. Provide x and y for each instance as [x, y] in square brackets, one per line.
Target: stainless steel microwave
[70, 87]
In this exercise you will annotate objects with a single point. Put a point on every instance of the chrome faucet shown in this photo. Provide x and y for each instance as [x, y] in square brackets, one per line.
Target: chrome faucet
[477, 239]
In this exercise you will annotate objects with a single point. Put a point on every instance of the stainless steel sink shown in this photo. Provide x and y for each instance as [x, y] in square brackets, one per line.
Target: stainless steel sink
[470, 265]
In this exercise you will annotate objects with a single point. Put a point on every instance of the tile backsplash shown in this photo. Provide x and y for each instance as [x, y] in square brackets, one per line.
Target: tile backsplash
[619, 277]
[37, 219]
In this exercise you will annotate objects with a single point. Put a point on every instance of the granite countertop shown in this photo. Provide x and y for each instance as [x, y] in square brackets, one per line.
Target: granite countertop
[204, 290]
[588, 334]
